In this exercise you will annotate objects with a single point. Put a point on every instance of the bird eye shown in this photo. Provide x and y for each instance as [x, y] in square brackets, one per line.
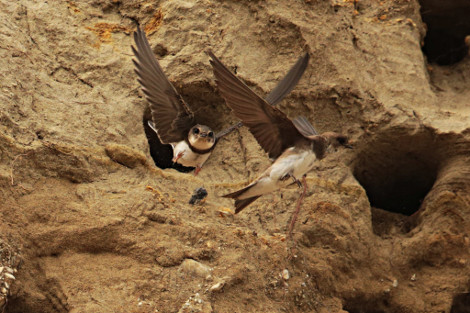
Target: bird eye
[196, 131]
[211, 134]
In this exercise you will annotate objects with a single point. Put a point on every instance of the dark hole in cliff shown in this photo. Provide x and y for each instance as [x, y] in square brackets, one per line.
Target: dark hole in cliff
[162, 154]
[208, 108]
[448, 24]
[461, 303]
[43, 295]
[397, 170]
[368, 304]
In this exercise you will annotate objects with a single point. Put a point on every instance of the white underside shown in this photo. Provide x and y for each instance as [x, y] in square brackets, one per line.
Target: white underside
[189, 157]
[295, 164]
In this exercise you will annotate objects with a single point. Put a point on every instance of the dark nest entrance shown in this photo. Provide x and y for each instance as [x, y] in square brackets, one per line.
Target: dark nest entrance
[397, 171]
[448, 23]
[461, 303]
[208, 108]
[162, 154]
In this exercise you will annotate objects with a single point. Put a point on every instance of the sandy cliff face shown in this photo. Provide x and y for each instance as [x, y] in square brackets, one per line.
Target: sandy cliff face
[89, 224]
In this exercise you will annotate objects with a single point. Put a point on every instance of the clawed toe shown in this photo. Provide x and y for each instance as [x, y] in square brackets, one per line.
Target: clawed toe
[177, 157]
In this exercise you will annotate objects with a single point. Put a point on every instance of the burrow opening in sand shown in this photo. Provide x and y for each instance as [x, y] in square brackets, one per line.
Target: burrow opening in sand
[371, 303]
[397, 169]
[208, 108]
[460, 303]
[448, 24]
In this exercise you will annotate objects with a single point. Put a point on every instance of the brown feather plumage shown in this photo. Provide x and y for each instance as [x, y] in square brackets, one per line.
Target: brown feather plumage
[171, 115]
[273, 130]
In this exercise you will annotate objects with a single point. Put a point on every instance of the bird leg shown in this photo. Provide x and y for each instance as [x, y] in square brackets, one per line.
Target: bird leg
[197, 170]
[177, 157]
[297, 208]
[295, 180]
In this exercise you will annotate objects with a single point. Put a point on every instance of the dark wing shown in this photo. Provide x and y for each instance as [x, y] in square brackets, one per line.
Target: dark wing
[283, 88]
[170, 114]
[304, 126]
[272, 129]
[241, 204]
[289, 81]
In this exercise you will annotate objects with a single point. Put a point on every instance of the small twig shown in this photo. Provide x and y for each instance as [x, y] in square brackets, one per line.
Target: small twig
[12, 165]
[229, 130]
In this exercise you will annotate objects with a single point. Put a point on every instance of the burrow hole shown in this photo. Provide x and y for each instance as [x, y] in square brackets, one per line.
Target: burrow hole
[373, 303]
[209, 109]
[397, 170]
[461, 303]
[448, 24]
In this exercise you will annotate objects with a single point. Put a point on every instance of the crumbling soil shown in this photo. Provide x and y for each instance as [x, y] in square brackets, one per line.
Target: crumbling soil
[99, 228]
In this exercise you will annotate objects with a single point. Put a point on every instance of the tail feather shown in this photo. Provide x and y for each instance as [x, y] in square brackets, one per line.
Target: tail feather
[241, 204]
[237, 193]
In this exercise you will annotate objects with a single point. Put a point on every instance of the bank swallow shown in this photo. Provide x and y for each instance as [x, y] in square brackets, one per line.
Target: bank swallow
[172, 119]
[294, 144]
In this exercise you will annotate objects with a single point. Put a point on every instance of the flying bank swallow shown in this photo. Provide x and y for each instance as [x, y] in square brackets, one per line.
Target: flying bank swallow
[172, 119]
[295, 145]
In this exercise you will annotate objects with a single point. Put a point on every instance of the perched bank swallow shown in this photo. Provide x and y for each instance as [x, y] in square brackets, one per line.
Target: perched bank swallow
[172, 119]
[295, 145]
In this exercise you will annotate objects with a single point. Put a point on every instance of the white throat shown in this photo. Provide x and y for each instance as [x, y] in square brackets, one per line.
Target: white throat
[201, 143]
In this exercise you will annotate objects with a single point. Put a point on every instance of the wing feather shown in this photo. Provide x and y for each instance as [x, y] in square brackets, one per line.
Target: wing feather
[272, 129]
[171, 115]
[304, 126]
[289, 81]
[283, 88]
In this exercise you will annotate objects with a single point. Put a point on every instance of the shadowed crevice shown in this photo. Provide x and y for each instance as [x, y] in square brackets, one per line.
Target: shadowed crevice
[448, 24]
[397, 170]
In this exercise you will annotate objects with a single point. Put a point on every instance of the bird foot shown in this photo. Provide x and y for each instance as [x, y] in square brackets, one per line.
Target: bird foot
[177, 157]
[295, 180]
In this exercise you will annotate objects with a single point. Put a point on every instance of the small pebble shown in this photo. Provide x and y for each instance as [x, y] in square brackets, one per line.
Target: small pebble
[193, 267]
[285, 274]
[10, 276]
[413, 277]
[217, 287]
[395, 283]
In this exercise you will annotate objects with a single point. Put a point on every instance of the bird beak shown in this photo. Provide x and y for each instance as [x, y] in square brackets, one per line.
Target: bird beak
[203, 135]
[346, 145]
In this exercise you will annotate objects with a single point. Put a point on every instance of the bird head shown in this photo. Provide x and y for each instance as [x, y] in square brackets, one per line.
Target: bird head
[336, 140]
[201, 137]
[322, 143]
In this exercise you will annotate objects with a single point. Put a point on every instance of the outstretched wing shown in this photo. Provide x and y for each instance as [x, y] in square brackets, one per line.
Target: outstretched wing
[283, 88]
[171, 116]
[289, 81]
[304, 126]
[272, 129]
